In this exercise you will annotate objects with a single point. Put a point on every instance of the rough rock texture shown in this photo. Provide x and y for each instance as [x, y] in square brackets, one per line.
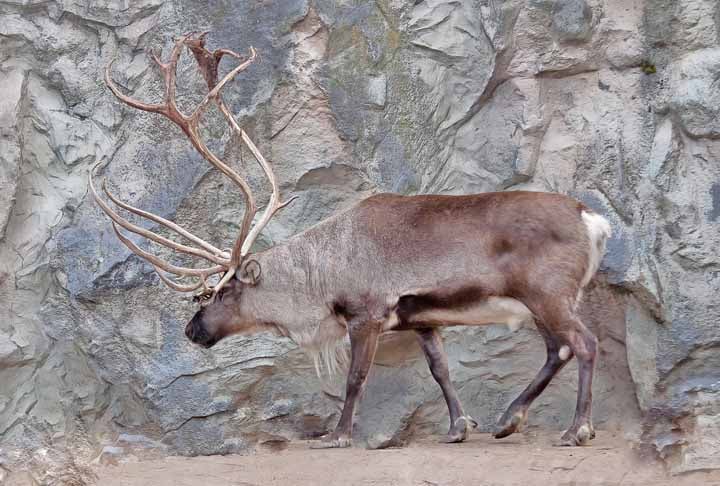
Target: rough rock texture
[615, 102]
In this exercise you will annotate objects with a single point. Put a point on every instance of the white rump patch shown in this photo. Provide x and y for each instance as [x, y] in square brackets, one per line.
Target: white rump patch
[564, 352]
[599, 231]
[493, 310]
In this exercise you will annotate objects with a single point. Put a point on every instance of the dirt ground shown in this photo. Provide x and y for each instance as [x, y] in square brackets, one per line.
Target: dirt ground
[528, 459]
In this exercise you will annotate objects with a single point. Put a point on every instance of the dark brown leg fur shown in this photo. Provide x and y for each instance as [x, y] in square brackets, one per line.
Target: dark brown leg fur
[363, 343]
[558, 321]
[432, 345]
[516, 415]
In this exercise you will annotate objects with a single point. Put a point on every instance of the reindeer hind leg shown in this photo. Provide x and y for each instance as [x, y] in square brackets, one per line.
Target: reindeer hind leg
[432, 345]
[515, 416]
[571, 338]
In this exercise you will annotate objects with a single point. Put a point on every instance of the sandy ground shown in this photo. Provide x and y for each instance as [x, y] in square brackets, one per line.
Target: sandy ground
[518, 460]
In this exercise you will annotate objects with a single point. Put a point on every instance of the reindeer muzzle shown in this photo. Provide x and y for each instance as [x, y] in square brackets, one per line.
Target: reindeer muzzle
[196, 333]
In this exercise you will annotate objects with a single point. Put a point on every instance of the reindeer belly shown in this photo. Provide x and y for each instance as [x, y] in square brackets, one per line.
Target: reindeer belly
[492, 310]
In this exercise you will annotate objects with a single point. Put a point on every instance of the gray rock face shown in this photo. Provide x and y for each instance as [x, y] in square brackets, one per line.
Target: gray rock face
[572, 19]
[614, 102]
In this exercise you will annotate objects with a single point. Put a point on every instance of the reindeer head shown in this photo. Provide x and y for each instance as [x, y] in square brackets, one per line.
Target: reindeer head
[223, 313]
[220, 312]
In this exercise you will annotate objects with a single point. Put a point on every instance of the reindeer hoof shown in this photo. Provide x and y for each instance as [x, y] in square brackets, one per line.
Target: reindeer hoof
[509, 425]
[332, 442]
[460, 430]
[584, 434]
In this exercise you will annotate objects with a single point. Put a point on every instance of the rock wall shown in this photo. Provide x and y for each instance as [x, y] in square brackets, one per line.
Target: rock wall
[614, 102]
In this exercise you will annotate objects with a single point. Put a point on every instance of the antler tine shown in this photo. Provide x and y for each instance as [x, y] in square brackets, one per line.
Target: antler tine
[208, 63]
[156, 59]
[147, 233]
[250, 207]
[168, 107]
[168, 224]
[153, 108]
[170, 73]
[168, 267]
[215, 91]
[273, 206]
[179, 287]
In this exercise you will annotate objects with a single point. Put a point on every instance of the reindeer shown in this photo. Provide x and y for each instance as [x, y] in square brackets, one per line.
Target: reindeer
[389, 263]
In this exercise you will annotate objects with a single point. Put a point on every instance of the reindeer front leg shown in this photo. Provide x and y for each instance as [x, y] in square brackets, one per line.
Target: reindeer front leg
[363, 343]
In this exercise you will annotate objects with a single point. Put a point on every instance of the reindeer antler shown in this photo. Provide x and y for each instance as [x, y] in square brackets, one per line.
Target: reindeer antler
[228, 263]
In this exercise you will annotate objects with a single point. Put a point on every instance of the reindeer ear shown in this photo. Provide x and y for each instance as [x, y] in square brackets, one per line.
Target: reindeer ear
[250, 272]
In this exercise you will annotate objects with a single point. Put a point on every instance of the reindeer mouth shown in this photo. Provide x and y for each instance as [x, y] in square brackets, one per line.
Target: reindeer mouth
[208, 344]
[205, 343]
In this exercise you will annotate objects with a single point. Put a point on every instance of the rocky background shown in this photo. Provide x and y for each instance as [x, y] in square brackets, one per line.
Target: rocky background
[616, 102]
